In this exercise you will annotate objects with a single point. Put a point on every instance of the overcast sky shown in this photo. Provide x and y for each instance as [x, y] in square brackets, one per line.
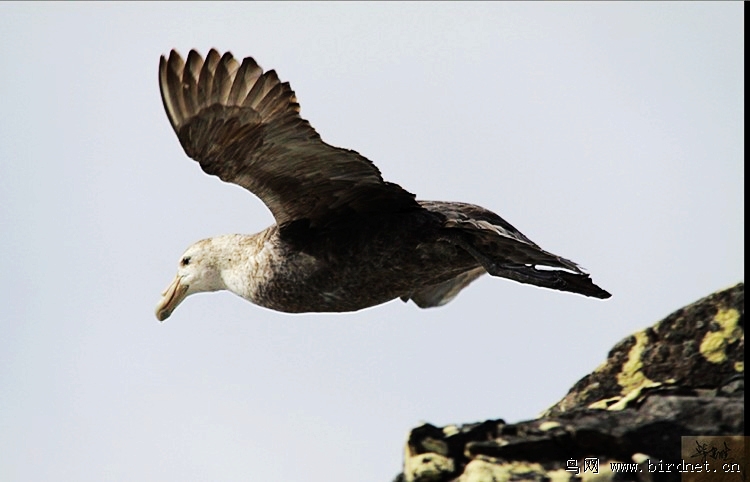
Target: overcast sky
[608, 133]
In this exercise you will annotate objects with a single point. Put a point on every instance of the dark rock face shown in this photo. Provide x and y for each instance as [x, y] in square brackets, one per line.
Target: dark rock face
[684, 376]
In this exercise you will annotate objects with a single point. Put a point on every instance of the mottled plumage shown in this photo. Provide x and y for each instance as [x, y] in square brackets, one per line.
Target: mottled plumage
[344, 239]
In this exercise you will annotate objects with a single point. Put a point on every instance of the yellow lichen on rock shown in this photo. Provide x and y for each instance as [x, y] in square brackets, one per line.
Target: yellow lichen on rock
[426, 467]
[714, 344]
[604, 403]
[632, 395]
[559, 475]
[479, 470]
[631, 376]
[545, 426]
[604, 474]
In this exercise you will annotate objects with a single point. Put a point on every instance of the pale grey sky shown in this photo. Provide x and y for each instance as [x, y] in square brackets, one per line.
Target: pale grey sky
[609, 133]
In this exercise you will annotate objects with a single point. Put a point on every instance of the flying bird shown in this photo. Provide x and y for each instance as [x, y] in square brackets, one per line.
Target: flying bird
[344, 239]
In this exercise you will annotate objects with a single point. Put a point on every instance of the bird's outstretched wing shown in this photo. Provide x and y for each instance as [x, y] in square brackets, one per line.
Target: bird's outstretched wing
[243, 125]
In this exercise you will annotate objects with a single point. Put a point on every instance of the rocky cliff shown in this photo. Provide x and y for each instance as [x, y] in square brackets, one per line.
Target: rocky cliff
[657, 400]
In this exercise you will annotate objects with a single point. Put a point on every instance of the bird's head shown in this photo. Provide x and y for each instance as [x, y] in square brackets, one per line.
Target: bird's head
[197, 272]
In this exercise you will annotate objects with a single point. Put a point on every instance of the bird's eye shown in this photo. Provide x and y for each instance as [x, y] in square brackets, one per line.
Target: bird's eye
[185, 261]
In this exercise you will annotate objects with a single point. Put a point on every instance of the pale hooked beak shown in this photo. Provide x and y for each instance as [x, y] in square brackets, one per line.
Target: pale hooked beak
[170, 298]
